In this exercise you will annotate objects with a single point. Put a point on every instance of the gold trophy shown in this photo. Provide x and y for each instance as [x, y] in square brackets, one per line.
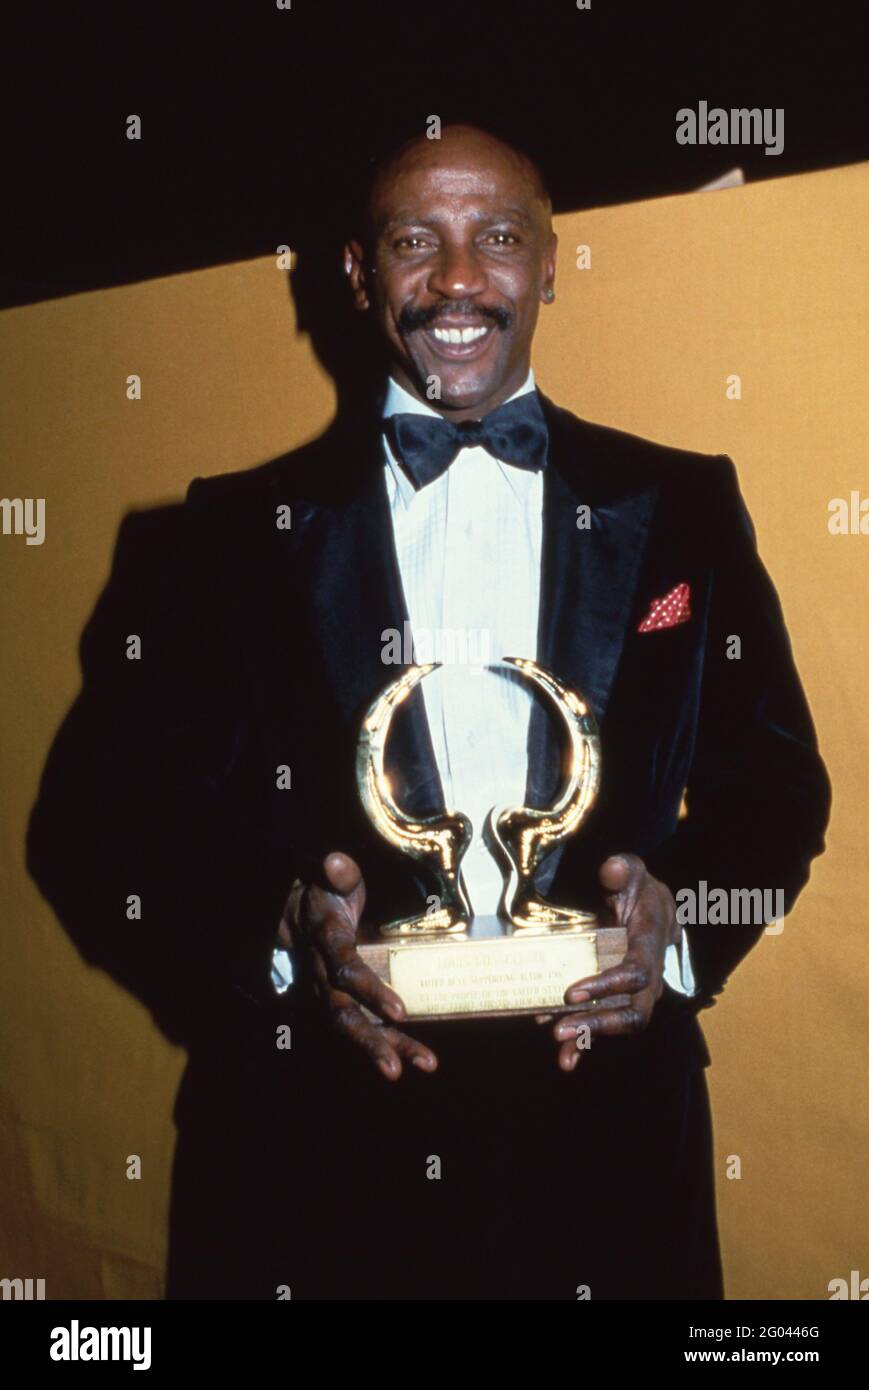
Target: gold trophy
[448, 963]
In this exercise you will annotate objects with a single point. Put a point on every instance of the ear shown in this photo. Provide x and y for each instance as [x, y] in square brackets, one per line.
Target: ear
[547, 289]
[355, 270]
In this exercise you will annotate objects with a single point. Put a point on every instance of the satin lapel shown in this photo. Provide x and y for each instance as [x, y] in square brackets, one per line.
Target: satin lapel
[588, 576]
[347, 565]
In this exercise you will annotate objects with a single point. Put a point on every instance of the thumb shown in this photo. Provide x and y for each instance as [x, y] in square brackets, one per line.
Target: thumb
[620, 871]
[343, 875]
[338, 889]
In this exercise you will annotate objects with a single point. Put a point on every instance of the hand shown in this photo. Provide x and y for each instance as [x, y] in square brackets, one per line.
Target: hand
[326, 919]
[646, 908]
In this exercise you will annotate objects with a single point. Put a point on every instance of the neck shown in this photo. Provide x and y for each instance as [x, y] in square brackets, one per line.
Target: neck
[469, 412]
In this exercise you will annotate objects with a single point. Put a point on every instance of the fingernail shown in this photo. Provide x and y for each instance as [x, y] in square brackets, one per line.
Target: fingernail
[577, 996]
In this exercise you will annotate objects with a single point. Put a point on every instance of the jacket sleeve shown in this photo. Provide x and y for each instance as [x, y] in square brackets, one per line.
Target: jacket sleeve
[758, 795]
[143, 837]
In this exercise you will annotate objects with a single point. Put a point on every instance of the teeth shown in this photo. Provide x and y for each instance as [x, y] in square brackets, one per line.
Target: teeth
[459, 335]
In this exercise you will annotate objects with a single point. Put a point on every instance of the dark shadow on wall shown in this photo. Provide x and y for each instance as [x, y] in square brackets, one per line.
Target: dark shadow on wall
[345, 341]
[161, 854]
[105, 828]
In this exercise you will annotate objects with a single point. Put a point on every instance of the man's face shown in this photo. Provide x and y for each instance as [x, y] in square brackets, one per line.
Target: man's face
[463, 253]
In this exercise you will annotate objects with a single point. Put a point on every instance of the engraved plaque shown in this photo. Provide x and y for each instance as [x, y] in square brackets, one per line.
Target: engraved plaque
[482, 977]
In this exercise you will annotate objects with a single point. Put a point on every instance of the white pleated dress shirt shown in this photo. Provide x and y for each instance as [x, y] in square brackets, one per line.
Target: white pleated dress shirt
[469, 551]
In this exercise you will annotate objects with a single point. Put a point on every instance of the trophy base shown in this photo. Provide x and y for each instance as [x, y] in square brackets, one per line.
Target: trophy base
[493, 970]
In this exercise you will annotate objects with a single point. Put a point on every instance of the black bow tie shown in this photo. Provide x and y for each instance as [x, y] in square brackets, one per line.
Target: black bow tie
[425, 445]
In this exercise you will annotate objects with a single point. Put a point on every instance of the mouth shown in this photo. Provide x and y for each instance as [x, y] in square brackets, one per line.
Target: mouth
[458, 342]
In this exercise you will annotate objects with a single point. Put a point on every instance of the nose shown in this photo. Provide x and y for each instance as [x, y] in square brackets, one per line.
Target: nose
[457, 273]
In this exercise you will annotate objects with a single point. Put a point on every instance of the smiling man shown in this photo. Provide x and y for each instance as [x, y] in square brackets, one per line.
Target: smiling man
[360, 1157]
[461, 239]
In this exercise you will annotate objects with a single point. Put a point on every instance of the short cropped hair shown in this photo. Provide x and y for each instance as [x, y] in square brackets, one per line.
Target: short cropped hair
[383, 154]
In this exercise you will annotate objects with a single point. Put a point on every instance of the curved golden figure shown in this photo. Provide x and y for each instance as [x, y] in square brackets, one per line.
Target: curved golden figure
[527, 835]
[438, 841]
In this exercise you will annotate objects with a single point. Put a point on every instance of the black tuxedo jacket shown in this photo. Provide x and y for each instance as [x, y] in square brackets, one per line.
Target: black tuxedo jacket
[261, 646]
[164, 841]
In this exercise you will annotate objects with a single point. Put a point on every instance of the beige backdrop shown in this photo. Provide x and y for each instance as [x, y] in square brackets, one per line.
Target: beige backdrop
[768, 282]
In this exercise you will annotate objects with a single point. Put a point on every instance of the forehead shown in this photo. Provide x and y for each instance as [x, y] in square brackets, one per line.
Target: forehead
[430, 176]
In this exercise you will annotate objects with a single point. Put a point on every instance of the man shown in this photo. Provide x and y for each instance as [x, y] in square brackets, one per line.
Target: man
[215, 779]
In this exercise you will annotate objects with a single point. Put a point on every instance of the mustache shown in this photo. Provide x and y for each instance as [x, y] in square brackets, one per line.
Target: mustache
[410, 320]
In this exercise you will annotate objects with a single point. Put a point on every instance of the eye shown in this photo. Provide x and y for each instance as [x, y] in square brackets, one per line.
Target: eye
[408, 243]
[503, 238]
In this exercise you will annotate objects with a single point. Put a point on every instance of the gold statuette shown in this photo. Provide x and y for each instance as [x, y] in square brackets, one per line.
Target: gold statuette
[439, 842]
[526, 835]
[447, 963]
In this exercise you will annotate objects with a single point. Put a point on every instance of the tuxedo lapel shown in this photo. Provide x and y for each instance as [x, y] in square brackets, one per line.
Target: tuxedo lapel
[345, 562]
[588, 576]
[343, 558]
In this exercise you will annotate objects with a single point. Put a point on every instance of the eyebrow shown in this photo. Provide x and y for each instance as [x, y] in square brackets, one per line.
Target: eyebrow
[407, 217]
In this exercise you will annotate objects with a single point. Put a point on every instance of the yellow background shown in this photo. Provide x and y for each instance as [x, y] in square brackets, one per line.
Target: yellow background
[768, 282]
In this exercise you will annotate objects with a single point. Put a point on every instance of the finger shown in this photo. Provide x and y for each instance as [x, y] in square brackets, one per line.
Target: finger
[568, 1056]
[373, 1038]
[338, 966]
[411, 1050]
[621, 871]
[340, 889]
[342, 873]
[318, 906]
[387, 1047]
[543, 1018]
[633, 1018]
[631, 976]
[347, 971]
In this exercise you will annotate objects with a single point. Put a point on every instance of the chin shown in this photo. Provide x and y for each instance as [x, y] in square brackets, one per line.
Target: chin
[461, 400]
[459, 392]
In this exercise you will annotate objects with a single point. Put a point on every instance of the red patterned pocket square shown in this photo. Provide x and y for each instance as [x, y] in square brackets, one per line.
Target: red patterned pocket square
[672, 609]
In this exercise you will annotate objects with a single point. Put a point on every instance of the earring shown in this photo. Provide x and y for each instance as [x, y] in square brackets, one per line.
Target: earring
[549, 295]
